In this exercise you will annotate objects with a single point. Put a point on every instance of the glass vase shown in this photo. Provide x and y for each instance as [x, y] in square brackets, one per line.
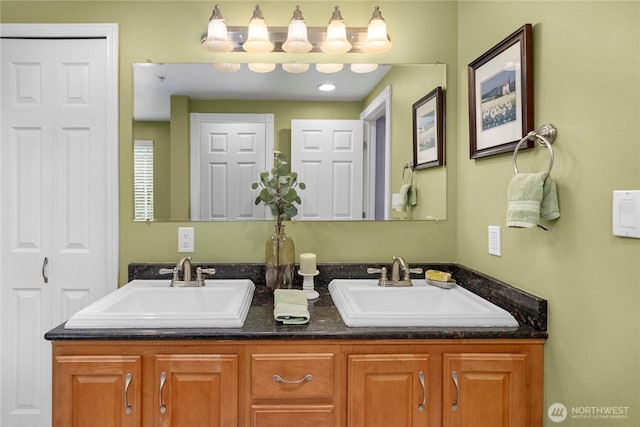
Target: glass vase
[280, 257]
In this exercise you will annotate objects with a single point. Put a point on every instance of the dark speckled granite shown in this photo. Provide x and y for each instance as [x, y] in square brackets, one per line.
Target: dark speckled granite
[326, 323]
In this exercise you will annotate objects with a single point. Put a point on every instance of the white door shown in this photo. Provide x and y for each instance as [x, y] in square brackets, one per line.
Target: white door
[55, 213]
[328, 157]
[228, 153]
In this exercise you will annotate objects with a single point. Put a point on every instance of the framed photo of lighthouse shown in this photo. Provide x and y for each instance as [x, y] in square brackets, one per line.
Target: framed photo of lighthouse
[501, 96]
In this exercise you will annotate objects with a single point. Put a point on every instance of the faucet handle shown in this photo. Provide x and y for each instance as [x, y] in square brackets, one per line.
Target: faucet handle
[200, 271]
[417, 270]
[383, 274]
[166, 271]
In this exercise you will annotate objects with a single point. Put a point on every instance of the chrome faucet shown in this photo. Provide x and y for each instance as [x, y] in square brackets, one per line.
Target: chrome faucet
[184, 265]
[398, 267]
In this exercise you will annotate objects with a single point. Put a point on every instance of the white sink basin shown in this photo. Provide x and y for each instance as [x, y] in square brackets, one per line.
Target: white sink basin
[364, 303]
[154, 304]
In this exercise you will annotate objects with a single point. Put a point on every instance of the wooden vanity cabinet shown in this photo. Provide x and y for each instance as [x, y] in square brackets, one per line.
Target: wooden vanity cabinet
[328, 383]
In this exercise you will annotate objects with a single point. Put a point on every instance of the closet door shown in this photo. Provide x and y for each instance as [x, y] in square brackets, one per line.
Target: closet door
[54, 207]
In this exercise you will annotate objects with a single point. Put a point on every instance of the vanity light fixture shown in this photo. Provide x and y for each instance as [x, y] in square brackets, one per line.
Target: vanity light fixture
[377, 37]
[363, 68]
[227, 67]
[297, 41]
[329, 68]
[335, 38]
[326, 87]
[295, 67]
[336, 41]
[217, 39]
[261, 67]
[258, 34]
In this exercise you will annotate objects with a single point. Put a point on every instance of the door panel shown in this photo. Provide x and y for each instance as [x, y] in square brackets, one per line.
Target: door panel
[228, 154]
[54, 209]
[328, 157]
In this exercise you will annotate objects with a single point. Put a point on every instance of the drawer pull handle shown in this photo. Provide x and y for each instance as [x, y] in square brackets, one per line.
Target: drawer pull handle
[127, 406]
[163, 378]
[279, 379]
[454, 405]
[424, 392]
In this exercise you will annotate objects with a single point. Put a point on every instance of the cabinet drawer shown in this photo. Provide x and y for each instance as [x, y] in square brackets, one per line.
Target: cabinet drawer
[290, 415]
[292, 375]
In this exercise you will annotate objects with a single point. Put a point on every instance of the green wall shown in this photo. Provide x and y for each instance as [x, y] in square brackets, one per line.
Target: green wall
[586, 58]
[586, 67]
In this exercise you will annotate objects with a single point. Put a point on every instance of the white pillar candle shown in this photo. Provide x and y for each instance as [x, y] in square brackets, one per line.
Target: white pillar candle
[308, 263]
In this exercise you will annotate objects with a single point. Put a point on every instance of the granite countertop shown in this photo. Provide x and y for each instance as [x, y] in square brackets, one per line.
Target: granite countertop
[326, 322]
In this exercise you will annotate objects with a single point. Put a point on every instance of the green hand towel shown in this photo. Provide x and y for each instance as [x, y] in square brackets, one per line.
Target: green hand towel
[524, 197]
[530, 197]
[549, 207]
[290, 307]
[407, 197]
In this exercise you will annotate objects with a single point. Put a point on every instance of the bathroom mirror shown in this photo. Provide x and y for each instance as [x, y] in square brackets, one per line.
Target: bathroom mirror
[166, 96]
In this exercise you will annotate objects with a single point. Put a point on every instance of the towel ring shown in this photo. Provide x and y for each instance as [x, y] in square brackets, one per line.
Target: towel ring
[407, 166]
[544, 137]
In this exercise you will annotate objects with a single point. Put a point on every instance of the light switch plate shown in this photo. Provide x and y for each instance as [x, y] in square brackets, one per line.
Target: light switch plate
[626, 213]
[495, 243]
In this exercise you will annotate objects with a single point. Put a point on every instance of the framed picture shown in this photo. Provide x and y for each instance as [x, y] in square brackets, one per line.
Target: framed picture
[501, 96]
[428, 130]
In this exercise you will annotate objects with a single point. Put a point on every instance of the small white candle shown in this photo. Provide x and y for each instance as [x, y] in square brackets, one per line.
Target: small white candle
[308, 263]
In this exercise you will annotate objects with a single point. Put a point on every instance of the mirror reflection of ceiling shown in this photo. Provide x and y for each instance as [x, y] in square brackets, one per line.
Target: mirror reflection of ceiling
[155, 83]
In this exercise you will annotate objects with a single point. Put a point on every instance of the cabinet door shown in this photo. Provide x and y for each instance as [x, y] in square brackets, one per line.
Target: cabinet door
[485, 390]
[96, 391]
[388, 390]
[196, 390]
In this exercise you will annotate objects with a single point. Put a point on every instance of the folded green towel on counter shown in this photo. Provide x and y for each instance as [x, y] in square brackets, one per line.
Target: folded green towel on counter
[290, 307]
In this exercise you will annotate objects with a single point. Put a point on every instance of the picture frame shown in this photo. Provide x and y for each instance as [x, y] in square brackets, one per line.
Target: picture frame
[428, 130]
[501, 96]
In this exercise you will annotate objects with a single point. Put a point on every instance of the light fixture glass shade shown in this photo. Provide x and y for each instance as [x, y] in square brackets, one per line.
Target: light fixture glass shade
[258, 34]
[217, 39]
[336, 41]
[329, 68]
[259, 67]
[363, 68]
[227, 67]
[297, 41]
[295, 67]
[377, 37]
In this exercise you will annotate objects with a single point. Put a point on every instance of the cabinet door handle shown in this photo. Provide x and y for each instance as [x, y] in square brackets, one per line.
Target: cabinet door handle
[279, 379]
[44, 273]
[424, 392]
[454, 405]
[127, 406]
[163, 379]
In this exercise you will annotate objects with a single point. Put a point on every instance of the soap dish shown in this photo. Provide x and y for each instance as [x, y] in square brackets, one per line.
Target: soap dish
[444, 285]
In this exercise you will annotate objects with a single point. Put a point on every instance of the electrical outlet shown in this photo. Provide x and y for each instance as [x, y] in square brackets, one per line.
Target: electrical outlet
[185, 239]
[495, 244]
